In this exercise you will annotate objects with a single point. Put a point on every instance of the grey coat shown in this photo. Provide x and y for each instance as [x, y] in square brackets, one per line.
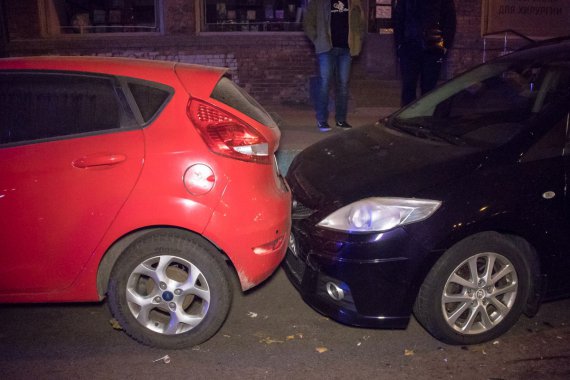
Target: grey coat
[317, 25]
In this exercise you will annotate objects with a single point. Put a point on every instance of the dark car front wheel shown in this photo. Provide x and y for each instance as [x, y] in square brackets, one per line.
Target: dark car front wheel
[476, 291]
[170, 290]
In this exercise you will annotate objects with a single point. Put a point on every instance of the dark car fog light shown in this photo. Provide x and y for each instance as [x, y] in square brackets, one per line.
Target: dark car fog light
[335, 291]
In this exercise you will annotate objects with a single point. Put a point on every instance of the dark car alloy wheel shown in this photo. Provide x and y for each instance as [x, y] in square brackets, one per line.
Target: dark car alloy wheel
[170, 290]
[479, 293]
[476, 291]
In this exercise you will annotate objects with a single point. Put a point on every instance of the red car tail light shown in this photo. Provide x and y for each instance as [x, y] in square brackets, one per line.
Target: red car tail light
[227, 135]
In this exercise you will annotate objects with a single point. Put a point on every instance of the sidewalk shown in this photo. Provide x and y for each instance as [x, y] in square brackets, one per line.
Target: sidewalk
[299, 130]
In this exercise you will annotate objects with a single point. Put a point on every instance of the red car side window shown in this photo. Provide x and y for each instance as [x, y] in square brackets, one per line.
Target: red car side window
[35, 106]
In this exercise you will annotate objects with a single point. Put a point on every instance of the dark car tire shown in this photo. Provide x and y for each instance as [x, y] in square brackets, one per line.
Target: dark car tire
[494, 312]
[195, 293]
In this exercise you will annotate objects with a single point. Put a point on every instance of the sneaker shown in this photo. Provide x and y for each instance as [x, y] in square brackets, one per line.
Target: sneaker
[343, 125]
[323, 126]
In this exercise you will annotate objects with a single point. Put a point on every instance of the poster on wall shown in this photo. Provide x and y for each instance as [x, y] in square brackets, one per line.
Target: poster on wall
[535, 19]
[383, 12]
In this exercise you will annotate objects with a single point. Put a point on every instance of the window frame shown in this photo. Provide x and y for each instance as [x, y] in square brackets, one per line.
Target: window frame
[202, 25]
[48, 32]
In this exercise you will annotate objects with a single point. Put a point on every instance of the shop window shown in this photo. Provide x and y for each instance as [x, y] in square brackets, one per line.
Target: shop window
[253, 15]
[380, 16]
[100, 16]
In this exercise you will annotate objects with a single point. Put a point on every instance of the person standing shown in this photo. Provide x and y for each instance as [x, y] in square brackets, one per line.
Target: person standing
[336, 28]
[423, 31]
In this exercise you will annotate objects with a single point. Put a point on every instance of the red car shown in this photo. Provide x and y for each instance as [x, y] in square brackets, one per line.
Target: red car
[147, 182]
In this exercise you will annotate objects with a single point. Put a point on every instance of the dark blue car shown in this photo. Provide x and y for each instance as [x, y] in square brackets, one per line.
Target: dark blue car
[455, 208]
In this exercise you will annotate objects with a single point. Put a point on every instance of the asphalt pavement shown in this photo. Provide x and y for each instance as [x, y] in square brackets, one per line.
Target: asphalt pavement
[370, 100]
[272, 334]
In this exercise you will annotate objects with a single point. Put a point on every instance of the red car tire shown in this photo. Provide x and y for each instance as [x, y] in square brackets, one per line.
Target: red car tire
[170, 289]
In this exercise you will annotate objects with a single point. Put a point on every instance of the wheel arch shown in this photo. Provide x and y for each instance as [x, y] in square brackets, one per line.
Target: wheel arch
[116, 249]
[515, 248]
[521, 243]
[538, 282]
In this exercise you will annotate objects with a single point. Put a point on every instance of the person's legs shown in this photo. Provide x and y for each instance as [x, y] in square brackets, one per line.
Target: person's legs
[430, 71]
[410, 66]
[343, 64]
[326, 70]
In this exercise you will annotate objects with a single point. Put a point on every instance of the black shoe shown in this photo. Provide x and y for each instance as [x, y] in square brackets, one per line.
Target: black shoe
[343, 125]
[324, 126]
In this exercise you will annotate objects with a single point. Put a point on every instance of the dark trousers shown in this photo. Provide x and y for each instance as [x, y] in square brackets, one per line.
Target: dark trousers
[418, 65]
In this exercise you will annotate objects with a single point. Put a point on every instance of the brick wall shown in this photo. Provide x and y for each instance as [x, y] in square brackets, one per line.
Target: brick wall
[275, 67]
[22, 19]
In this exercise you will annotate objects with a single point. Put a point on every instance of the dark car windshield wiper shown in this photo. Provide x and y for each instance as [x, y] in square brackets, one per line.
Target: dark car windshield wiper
[417, 129]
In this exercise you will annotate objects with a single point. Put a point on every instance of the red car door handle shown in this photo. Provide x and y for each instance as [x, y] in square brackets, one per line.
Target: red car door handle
[104, 159]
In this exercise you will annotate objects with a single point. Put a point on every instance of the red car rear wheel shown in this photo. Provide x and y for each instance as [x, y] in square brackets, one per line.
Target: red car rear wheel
[170, 290]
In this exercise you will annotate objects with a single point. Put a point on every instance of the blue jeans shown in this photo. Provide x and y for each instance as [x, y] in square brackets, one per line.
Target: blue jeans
[334, 63]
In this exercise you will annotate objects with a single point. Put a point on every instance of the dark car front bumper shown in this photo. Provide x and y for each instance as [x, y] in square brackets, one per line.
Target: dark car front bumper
[366, 281]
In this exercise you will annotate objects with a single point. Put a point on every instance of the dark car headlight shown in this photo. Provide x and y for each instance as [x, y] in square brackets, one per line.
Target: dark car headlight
[379, 214]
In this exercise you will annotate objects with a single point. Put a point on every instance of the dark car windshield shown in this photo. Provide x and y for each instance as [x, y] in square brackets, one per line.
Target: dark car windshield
[487, 106]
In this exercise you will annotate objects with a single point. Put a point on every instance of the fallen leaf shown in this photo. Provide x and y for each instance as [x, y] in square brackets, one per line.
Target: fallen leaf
[294, 336]
[408, 352]
[251, 314]
[269, 340]
[478, 349]
[115, 324]
[320, 350]
[165, 359]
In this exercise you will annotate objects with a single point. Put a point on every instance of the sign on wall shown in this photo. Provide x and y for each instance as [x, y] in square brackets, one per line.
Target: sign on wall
[532, 18]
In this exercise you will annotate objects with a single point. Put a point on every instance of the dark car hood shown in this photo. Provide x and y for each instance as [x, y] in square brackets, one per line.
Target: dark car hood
[375, 161]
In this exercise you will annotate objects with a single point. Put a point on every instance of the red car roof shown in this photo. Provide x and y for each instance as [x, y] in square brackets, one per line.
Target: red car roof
[159, 71]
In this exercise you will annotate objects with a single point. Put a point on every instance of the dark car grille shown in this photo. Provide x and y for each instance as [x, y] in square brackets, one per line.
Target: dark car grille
[296, 267]
[300, 211]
